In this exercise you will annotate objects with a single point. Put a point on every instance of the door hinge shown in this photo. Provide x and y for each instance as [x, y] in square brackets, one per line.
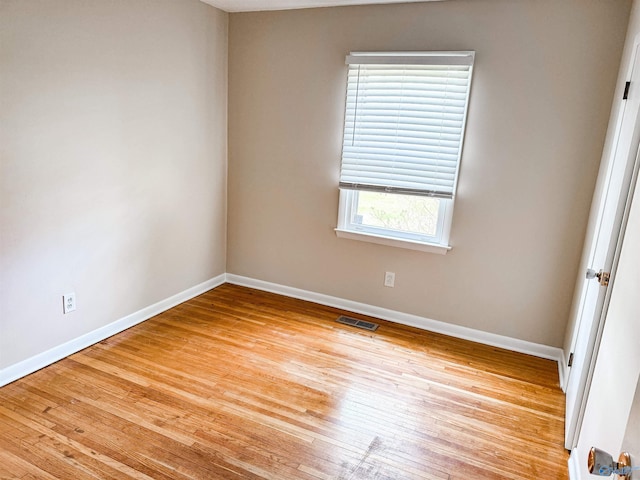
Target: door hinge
[570, 362]
[625, 95]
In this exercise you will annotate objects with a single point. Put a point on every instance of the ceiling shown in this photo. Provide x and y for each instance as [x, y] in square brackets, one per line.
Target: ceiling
[256, 5]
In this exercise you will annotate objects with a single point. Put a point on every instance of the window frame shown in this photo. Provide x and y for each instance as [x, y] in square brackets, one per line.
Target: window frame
[439, 243]
[381, 236]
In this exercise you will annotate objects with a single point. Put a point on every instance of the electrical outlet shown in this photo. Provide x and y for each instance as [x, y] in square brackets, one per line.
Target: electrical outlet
[68, 302]
[389, 279]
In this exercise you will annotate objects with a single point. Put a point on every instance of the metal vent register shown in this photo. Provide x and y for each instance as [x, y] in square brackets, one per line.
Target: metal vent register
[354, 322]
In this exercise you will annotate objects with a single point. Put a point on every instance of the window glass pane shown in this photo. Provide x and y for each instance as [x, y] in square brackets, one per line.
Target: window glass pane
[406, 213]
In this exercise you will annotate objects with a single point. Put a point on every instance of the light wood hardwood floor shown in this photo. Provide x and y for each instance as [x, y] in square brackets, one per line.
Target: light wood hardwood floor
[241, 384]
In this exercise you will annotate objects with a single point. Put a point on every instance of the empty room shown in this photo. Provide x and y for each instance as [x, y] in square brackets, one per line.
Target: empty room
[319, 239]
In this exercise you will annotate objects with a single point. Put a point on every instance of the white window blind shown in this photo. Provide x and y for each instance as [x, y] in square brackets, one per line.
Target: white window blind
[404, 121]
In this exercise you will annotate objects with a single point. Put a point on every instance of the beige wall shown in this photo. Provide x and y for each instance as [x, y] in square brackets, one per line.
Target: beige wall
[113, 131]
[112, 161]
[542, 89]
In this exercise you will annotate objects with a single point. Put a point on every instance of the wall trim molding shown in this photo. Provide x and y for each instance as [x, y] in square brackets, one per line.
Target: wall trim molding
[492, 339]
[41, 360]
[563, 371]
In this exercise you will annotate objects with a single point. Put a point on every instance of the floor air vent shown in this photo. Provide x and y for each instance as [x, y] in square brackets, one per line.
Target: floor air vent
[354, 322]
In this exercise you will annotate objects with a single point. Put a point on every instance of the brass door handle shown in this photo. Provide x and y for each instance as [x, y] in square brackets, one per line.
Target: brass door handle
[601, 463]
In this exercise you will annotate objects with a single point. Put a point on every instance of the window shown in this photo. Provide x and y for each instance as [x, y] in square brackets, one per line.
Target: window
[404, 126]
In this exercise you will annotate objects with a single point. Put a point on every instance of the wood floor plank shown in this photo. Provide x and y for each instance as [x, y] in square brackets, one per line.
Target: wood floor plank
[242, 384]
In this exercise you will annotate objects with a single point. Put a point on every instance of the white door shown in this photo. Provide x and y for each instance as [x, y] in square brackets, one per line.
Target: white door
[631, 441]
[594, 296]
[611, 414]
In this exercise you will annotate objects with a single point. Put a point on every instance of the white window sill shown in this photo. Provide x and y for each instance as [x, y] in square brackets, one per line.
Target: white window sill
[393, 242]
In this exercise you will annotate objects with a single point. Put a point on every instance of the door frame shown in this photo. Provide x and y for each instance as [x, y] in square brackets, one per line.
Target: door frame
[592, 353]
[615, 421]
[595, 325]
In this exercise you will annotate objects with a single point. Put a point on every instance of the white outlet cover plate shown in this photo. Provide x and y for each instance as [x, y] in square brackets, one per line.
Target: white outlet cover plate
[68, 302]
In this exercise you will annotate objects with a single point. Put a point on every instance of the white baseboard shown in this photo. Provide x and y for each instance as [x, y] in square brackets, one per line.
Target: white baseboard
[563, 371]
[30, 365]
[574, 467]
[530, 348]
